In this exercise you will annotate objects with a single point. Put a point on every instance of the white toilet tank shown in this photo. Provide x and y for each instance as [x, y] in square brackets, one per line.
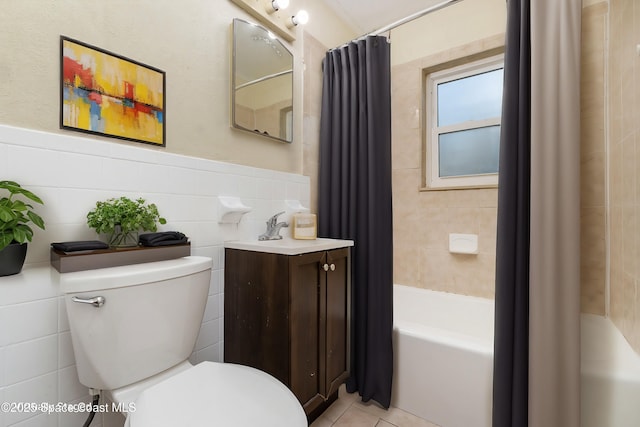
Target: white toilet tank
[148, 323]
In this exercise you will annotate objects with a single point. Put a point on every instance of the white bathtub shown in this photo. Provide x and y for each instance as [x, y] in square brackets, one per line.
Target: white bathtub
[443, 356]
[610, 390]
[443, 363]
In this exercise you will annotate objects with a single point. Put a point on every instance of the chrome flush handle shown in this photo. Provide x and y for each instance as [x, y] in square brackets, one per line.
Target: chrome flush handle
[95, 301]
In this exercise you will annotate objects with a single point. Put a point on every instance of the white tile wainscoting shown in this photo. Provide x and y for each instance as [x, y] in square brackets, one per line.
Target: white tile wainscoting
[70, 174]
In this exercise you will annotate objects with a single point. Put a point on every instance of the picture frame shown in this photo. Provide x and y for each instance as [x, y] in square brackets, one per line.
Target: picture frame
[106, 94]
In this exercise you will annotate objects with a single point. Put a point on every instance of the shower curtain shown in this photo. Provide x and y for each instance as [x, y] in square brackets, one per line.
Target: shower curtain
[511, 353]
[355, 200]
[537, 324]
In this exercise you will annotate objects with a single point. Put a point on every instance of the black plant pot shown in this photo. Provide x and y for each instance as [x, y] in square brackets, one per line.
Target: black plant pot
[12, 258]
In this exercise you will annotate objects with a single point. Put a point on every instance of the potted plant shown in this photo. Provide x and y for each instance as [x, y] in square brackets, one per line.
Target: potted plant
[15, 232]
[122, 219]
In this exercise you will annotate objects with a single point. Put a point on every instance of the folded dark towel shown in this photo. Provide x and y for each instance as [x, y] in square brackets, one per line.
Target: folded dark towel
[81, 245]
[164, 238]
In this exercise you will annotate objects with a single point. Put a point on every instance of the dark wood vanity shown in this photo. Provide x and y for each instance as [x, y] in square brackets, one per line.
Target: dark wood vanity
[288, 315]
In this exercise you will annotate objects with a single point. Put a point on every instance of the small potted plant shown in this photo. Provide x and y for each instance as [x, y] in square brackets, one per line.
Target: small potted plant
[15, 232]
[122, 219]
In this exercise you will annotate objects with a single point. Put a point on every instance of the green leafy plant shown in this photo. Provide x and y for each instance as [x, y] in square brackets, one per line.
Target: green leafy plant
[123, 217]
[15, 215]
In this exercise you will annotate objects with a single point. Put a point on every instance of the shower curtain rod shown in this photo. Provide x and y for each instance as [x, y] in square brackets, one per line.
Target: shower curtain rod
[404, 20]
[411, 17]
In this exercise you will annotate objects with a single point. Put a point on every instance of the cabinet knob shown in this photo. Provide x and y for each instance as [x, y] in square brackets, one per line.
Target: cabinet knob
[333, 267]
[312, 374]
[325, 267]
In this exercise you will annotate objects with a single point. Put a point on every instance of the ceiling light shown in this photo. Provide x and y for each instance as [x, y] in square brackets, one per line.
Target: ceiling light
[301, 18]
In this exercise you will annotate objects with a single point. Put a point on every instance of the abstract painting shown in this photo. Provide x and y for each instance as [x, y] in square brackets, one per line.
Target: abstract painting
[107, 94]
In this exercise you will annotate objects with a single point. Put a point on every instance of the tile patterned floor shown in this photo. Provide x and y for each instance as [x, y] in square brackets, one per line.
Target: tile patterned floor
[350, 411]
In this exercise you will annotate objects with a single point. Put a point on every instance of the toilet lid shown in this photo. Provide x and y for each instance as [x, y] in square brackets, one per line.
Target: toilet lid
[218, 394]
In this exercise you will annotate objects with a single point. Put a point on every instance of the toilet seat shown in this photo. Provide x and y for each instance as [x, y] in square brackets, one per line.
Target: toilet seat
[218, 394]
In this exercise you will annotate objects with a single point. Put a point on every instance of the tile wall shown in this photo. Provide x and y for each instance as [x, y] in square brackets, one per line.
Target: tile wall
[314, 53]
[70, 174]
[624, 173]
[422, 220]
[593, 158]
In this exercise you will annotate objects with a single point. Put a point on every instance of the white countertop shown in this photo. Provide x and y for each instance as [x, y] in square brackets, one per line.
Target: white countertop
[288, 246]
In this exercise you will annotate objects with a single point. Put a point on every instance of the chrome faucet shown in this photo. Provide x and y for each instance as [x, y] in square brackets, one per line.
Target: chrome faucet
[273, 228]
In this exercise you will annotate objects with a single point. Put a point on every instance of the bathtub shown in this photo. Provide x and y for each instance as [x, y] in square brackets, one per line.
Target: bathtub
[443, 363]
[610, 389]
[443, 356]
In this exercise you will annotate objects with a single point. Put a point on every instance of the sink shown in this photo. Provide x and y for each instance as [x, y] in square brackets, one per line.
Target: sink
[288, 246]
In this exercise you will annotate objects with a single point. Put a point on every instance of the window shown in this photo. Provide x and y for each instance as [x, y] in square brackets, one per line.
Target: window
[464, 104]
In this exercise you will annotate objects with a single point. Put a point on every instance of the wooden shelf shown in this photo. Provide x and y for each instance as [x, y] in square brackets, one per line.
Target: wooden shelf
[67, 262]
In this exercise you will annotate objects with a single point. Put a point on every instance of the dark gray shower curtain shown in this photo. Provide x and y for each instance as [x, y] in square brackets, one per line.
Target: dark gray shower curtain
[355, 200]
[511, 352]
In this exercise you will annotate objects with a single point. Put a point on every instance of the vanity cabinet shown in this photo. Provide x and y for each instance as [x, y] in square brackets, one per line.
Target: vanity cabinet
[288, 315]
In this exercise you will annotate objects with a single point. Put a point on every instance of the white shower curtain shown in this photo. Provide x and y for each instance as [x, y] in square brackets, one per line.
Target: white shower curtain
[554, 310]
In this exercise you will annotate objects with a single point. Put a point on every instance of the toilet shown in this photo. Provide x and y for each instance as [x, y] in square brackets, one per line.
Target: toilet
[134, 327]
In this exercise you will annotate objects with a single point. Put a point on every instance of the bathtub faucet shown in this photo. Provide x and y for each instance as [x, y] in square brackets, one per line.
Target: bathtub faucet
[273, 228]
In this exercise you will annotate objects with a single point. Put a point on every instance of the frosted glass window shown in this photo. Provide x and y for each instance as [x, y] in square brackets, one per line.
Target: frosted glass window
[469, 152]
[476, 97]
[463, 113]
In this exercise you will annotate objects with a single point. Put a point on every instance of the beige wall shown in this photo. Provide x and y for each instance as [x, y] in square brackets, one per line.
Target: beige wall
[314, 53]
[593, 160]
[624, 170]
[451, 27]
[195, 55]
[424, 219]
[189, 40]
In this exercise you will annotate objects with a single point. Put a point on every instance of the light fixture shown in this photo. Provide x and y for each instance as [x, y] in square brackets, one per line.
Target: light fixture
[276, 5]
[300, 18]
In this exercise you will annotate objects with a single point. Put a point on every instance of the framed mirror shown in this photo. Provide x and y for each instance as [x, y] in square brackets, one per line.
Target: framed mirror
[262, 82]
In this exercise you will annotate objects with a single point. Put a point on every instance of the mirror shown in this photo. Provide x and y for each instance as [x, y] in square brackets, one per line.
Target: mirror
[262, 82]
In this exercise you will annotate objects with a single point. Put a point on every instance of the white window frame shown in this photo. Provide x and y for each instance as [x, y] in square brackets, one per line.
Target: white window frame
[433, 131]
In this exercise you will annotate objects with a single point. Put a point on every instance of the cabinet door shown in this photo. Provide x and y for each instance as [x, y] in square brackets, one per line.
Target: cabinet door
[307, 329]
[256, 311]
[337, 319]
